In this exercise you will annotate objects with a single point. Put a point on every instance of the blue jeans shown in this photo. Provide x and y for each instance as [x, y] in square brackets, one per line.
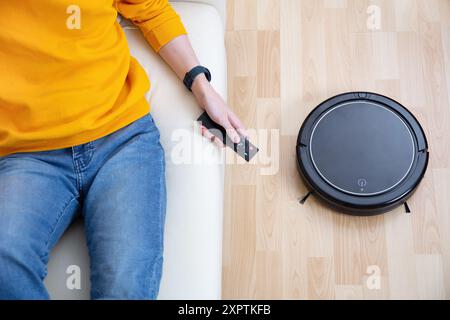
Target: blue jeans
[117, 184]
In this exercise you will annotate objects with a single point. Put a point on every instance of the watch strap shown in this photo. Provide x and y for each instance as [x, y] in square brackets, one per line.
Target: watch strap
[191, 75]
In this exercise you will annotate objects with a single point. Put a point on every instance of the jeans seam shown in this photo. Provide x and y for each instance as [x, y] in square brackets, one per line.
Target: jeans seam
[162, 192]
[88, 152]
[80, 177]
[78, 173]
[158, 264]
[153, 277]
[58, 219]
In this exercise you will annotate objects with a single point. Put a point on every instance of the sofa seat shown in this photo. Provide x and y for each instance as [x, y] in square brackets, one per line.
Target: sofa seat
[195, 173]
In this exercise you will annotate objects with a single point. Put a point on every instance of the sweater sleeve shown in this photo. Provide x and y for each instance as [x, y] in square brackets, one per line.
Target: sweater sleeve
[157, 20]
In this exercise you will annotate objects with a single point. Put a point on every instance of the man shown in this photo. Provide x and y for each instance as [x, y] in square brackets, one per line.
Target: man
[76, 136]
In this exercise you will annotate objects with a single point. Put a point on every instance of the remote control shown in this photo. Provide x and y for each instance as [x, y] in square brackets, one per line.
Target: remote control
[244, 148]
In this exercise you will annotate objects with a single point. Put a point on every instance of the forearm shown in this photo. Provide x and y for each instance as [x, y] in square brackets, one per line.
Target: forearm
[180, 56]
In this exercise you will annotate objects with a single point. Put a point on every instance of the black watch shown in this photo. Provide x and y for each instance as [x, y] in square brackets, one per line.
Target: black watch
[191, 75]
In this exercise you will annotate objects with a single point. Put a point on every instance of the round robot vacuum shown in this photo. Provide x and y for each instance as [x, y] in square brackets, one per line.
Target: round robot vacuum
[362, 153]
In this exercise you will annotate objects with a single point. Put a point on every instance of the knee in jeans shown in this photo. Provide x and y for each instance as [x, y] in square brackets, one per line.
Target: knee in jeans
[16, 255]
[128, 280]
[21, 270]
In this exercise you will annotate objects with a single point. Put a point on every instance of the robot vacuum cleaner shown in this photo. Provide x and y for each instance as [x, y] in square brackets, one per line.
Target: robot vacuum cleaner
[362, 153]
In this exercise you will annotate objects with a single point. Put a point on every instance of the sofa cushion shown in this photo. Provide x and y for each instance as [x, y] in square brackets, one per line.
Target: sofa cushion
[193, 239]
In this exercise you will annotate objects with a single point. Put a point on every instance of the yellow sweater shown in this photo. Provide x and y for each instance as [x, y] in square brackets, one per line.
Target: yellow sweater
[66, 75]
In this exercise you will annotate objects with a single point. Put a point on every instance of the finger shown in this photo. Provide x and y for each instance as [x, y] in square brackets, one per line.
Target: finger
[218, 143]
[231, 131]
[206, 133]
[211, 137]
[237, 124]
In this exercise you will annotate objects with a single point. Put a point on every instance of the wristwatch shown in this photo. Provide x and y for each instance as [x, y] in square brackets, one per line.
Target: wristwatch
[191, 75]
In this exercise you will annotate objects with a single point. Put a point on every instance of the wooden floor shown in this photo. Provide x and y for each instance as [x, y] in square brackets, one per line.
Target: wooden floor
[285, 57]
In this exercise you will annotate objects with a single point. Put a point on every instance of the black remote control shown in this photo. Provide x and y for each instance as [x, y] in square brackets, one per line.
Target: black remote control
[244, 148]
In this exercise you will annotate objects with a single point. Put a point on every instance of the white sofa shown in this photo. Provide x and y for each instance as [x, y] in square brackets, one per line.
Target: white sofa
[193, 243]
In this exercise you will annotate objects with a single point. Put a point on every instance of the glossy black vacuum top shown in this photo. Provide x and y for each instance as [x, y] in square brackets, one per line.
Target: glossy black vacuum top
[362, 148]
[363, 152]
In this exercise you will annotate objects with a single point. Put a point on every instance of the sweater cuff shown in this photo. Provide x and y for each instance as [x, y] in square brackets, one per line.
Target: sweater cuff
[159, 36]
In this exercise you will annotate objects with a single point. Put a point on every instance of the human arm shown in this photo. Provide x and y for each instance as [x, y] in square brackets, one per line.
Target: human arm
[165, 32]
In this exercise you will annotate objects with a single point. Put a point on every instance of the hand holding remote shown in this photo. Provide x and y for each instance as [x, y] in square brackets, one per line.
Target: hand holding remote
[243, 148]
[217, 110]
